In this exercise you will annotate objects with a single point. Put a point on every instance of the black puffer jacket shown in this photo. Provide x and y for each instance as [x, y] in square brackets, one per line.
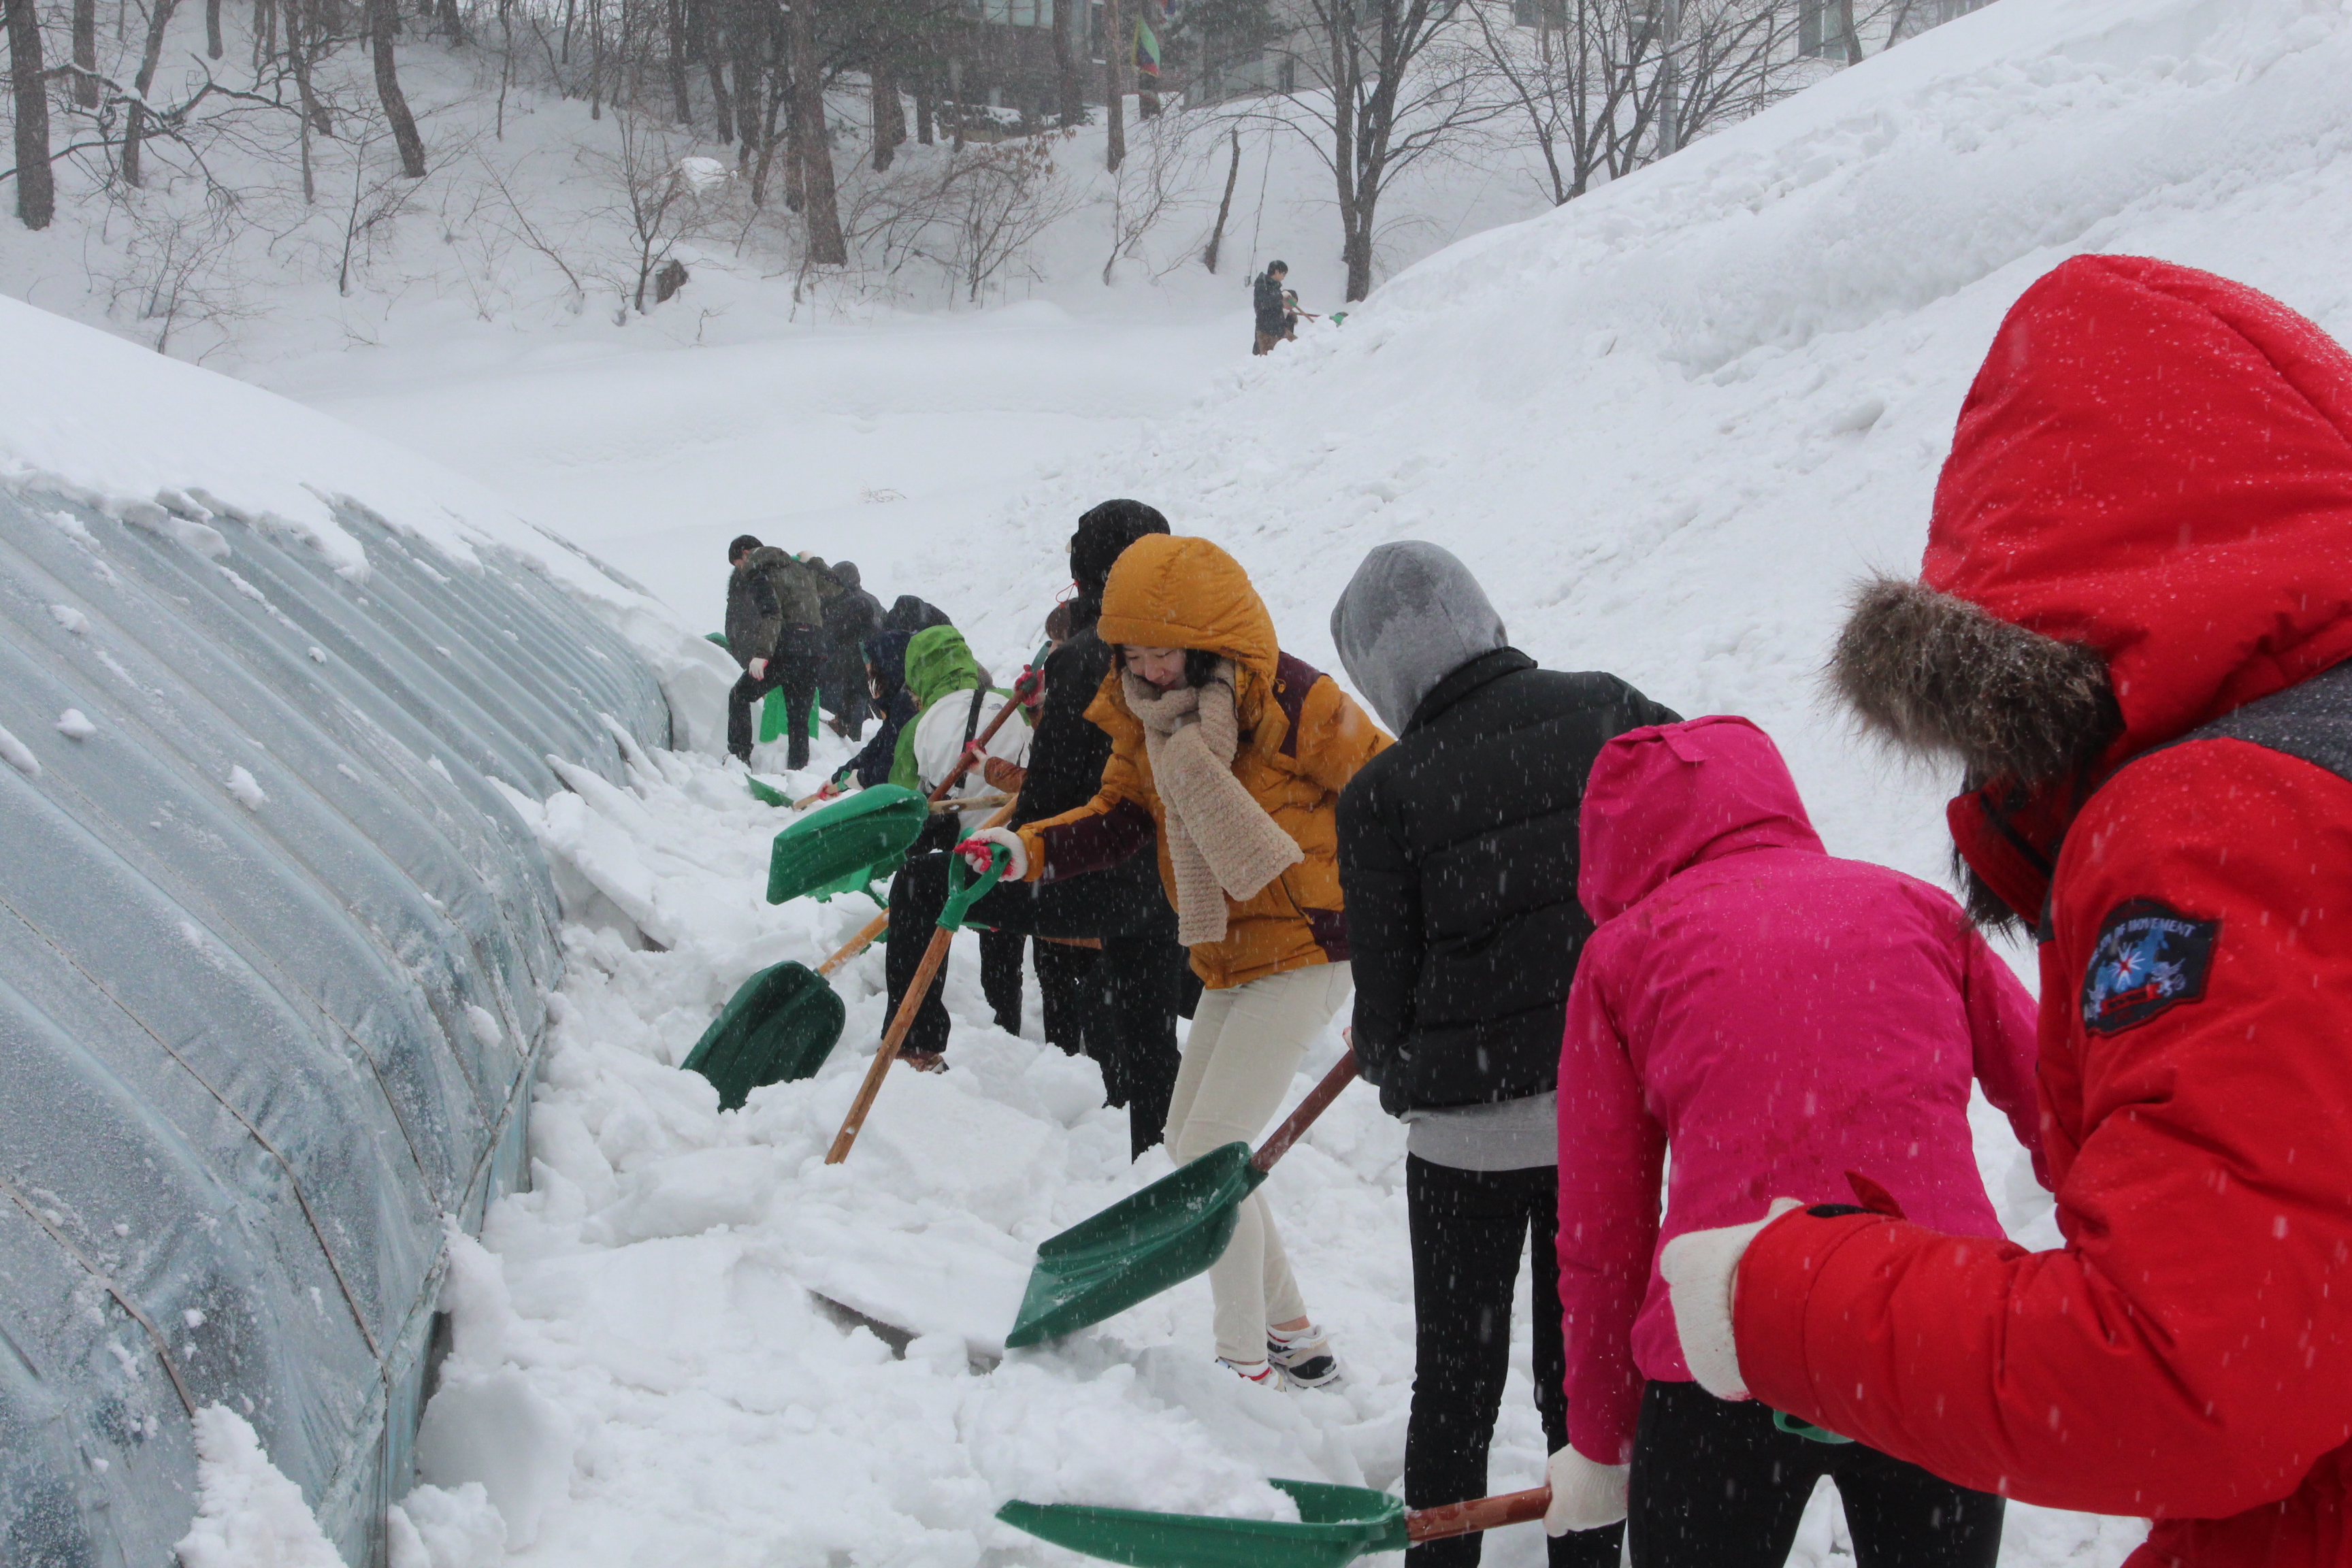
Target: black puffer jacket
[1458, 857]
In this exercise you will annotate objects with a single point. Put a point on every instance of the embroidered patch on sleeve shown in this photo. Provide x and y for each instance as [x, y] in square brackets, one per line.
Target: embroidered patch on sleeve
[2149, 958]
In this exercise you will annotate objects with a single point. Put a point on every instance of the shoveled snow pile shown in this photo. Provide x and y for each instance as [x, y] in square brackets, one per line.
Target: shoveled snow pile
[247, 1514]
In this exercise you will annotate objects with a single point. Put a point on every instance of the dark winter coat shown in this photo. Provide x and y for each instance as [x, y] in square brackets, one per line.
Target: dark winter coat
[885, 656]
[851, 615]
[909, 614]
[767, 595]
[1273, 316]
[2153, 473]
[1458, 855]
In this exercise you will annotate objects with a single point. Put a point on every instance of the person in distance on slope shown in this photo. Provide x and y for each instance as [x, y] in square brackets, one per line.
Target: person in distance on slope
[1125, 999]
[1457, 856]
[1272, 317]
[1776, 1018]
[2130, 630]
[775, 630]
[953, 706]
[1232, 754]
[851, 616]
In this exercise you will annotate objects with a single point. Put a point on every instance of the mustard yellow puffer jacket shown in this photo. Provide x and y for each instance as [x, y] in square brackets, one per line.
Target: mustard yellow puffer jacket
[1302, 739]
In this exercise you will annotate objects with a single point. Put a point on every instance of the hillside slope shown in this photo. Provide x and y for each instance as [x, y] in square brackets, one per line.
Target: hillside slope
[1671, 423]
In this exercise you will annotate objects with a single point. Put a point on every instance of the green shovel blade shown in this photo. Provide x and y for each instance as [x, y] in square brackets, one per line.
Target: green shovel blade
[778, 1028]
[840, 848]
[1336, 1526]
[1136, 1249]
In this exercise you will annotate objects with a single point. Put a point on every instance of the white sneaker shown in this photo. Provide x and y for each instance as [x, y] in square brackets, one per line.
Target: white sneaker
[1304, 1355]
[1261, 1373]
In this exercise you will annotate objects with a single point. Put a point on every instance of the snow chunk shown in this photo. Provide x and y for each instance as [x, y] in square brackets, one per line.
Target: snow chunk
[500, 1433]
[248, 792]
[74, 725]
[247, 1514]
[73, 620]
[18, 756]
[457, 1528]
[485, 1024]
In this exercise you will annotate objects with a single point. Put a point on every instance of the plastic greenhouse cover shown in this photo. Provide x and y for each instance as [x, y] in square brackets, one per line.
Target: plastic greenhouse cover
[274, 957]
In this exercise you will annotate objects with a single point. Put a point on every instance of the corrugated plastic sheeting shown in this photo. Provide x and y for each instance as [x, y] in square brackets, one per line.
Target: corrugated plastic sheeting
[254, 1053]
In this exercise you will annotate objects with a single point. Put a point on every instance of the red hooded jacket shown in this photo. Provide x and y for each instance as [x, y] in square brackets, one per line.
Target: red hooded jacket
[2157, 463]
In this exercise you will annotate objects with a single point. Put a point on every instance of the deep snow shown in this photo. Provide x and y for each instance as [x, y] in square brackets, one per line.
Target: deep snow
[1669, 424]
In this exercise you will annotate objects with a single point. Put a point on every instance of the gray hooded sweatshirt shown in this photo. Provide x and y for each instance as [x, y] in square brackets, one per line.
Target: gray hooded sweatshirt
[1411, 615]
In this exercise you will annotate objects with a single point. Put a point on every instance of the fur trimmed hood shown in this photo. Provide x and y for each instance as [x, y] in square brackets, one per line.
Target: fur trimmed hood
[1935, 675]
[2143, 525]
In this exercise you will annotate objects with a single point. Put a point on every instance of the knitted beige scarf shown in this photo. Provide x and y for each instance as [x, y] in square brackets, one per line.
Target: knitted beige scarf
[1221, 842]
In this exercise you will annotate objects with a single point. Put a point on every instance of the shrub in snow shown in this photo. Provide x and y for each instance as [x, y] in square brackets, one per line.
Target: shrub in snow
[247, 1515]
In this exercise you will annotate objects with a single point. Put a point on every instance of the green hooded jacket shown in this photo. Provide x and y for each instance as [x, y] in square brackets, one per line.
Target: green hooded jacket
[937, 664]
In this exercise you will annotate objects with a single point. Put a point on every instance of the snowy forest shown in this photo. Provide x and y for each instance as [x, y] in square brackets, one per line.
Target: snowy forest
[208, 168]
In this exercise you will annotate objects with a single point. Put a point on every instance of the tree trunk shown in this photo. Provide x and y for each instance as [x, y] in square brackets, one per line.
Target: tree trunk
[1848, 37]
[1118, 45]
[596, 59]
[889, 114]
[1069, 50]
[85, 51]
[923, 108]
[213, 44]
[746, 54]
[1232, 176]
[678, 88]
[36, 189]
[313, 117]
[134, 122]
[383, 19]
[822, 209]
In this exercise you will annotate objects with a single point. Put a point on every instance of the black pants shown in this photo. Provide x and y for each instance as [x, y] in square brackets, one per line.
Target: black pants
[1065, 975]
[1469, 1230]
[843, 692]
[1127, 999]
[793, 669]
[1717, 1484]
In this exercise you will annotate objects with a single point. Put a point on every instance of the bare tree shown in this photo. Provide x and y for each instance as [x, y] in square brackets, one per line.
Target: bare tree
[820, 206]
[1225, 206]
[85, 53]
[1150, 189]
[134, 122]
[1377, 95]
[667, 193]
[36, 191]
[1118, 46]
[383, 21]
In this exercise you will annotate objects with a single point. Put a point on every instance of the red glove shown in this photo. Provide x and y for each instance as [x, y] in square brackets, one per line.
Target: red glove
[1030, 689]
[979, 848]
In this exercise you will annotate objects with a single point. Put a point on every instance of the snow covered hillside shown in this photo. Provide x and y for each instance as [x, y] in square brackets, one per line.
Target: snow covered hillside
[1669, 424]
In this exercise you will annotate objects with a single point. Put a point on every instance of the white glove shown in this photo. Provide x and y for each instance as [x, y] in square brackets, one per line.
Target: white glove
[976, 847]
[759, 669]
[1700, 1268]
[1585, 1493]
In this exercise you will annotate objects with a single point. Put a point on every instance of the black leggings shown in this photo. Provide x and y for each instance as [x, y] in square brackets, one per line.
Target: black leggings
[1717, 1485]
[1469, 1230]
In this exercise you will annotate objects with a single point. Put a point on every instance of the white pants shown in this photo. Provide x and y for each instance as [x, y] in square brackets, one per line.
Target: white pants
[1239, 1059]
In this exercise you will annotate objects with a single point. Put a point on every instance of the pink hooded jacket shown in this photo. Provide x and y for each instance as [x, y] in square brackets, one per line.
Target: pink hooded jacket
[1779, 1016]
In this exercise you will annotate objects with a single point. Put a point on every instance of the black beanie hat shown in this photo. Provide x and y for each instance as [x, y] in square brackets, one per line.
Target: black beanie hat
[1103, 533]
[744, 541]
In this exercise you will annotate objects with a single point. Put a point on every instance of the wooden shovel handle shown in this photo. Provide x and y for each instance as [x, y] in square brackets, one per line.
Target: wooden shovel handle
[909, 1004]
[1480, 1513]
[1294, 1126]
[856, 944]
[925, 973]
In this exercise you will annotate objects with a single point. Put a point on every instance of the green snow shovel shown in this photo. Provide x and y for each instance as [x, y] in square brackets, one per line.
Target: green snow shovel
[847, 845]
[779, 1028]
[1336, 1526]
[1163, 1236]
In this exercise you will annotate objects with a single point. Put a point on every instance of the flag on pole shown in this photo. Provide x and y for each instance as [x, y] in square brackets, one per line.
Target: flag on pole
[1150, 18]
